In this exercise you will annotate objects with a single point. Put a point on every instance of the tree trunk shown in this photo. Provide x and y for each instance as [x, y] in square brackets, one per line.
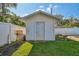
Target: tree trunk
[3, 9]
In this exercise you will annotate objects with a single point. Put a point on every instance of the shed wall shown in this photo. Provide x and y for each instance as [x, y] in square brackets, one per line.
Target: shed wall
[31, 27]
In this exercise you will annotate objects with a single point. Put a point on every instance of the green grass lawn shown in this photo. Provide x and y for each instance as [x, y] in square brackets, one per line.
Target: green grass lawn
[55, 48]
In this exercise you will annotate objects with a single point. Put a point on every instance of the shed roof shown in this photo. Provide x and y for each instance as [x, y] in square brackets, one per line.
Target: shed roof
[39, 11]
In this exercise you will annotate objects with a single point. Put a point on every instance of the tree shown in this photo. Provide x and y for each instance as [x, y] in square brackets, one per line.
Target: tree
[60, 17]
[17, 20]
[4, 7]
[5, 11]
[8, 16]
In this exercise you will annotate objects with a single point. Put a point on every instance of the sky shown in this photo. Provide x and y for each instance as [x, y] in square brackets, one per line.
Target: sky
[65, 9]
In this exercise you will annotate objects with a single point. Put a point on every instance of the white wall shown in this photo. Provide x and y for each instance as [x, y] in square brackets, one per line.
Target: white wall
[67, 31]
[4, 33]
[7, 32]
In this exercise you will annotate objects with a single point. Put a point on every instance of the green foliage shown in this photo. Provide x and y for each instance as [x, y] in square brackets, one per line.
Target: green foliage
[8, 16]
[12, 19]
[69, 22]
[2, 19]
[17, 21]
[23, 50]
[60, 37]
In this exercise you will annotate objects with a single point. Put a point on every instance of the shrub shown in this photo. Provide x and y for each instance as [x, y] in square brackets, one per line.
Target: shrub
[23, 50]
[61, 37]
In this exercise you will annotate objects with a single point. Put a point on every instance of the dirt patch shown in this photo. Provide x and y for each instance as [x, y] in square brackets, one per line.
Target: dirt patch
[75, 38]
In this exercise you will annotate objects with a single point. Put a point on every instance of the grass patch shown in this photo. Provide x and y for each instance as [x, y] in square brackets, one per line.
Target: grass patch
[23, 50]
[55, 48]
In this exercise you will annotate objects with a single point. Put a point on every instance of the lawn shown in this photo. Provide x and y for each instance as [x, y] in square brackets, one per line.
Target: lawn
[55, 48]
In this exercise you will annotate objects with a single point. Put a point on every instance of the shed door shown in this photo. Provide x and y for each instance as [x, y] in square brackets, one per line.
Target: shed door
[40, 31]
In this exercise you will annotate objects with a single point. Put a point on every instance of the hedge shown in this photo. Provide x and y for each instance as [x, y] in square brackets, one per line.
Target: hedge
[23, 50]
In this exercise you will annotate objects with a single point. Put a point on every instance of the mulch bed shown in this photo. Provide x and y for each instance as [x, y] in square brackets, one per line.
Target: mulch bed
[8, 49]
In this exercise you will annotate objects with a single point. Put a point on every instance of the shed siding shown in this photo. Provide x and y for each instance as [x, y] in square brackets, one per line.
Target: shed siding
[31, 27]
